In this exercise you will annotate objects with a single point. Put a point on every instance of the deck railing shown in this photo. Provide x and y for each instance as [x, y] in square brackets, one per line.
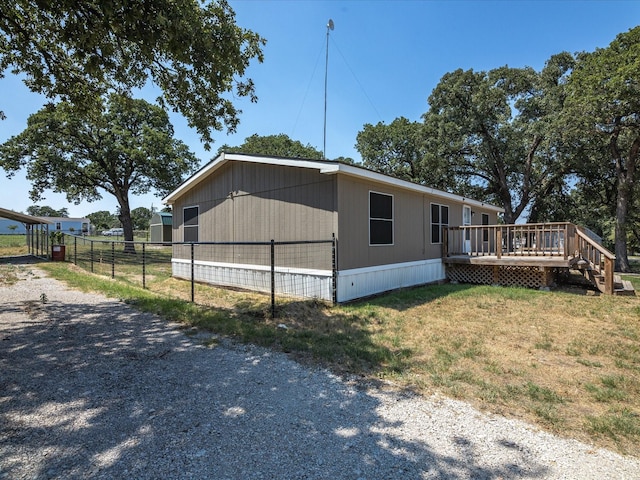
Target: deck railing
[560, 239]
[531, 239]
[600, 259]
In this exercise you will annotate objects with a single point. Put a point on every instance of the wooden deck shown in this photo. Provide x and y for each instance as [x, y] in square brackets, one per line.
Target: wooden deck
[527, 255]
[555, 261]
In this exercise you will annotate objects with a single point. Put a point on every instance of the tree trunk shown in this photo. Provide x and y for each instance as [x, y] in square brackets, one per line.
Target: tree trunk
[624, 178]
[622, 205]
[127, 225]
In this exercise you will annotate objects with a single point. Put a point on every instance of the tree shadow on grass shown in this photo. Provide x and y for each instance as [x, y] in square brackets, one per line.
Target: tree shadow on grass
[98, 390]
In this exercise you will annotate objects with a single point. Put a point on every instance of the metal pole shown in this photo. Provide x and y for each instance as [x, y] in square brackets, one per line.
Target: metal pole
[192, 274]
[144, 280]
[334, 270]
[326, 69]
[273, 280]
[91, 255]
[75, 250]
[113, 259]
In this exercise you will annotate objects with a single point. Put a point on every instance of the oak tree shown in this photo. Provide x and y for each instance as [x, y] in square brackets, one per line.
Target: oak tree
[494, 130]
[46, 211]
[274, 145]
[603, 116]
[78, 51]
[125, 148]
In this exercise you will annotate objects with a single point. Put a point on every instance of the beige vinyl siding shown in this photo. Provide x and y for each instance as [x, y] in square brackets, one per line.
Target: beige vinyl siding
[354, 250]
[411, 219]
[247, 202]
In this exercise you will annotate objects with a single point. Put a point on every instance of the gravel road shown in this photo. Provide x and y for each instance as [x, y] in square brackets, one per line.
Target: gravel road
[90, 388]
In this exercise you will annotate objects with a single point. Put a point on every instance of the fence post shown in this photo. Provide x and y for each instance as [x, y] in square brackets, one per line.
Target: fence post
[91, 255]
[75, 250]
[192, 274]
[144, 279]
[334, 270]
[273, 279]
[113, 259]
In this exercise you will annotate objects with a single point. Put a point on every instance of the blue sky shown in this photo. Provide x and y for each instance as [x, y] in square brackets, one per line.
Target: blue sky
[385, 58]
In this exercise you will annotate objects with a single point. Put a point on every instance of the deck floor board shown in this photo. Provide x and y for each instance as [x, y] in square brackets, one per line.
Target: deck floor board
[549, 261]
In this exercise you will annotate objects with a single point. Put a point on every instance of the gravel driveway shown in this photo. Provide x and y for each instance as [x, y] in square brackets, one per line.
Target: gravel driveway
[90, 388]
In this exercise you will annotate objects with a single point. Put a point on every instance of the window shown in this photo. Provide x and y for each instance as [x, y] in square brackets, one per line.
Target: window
[58, 226]
[439, 219]
[485, 231]
[191, 224]
[380, 219]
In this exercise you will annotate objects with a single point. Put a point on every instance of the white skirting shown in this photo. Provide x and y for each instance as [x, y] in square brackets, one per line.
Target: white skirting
[363, 282]
[295, 282]
[308, 283]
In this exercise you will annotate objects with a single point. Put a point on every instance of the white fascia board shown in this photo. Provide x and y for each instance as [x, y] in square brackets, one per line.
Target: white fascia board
[196, 178]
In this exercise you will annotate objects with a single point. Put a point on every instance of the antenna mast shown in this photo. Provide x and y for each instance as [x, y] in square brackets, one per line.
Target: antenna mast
[326, 69]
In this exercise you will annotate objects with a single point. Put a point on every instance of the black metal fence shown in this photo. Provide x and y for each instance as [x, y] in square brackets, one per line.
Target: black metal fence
[303, 269]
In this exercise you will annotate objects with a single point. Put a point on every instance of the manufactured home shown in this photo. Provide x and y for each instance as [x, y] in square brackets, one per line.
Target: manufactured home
[388, 232]
[71, 226]
[75, 226]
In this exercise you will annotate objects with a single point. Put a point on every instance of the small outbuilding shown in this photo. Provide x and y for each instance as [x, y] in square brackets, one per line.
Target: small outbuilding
[161, 226]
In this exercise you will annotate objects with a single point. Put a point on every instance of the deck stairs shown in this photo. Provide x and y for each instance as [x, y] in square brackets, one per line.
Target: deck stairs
[620, 286]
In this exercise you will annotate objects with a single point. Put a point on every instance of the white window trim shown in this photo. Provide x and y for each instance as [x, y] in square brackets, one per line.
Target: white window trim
[393, 237]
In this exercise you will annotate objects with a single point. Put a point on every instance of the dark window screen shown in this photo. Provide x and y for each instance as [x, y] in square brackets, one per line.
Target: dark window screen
[191, 224]
[439, 219]
[380, 219]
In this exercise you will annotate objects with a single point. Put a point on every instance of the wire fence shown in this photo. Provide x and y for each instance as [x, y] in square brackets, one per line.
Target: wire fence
[305, 269]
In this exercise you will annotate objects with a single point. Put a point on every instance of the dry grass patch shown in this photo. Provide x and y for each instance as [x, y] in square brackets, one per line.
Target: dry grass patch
[568, 362]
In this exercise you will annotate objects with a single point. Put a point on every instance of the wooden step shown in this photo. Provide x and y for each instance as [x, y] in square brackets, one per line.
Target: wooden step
[626, 289]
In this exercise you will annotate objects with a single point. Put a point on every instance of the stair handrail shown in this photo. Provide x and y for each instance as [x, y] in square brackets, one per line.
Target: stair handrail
[606, 270]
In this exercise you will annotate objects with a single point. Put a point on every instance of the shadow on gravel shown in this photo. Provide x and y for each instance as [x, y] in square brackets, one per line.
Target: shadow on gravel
[103, 391]
[21, 259]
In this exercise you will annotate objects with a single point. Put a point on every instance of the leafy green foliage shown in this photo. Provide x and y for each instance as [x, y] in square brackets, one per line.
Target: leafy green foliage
[126, 147]
[274, 145]
[398, 150]
[78, 51]
[141, 218]
[495, 130]
[46, 211]
[603, 118]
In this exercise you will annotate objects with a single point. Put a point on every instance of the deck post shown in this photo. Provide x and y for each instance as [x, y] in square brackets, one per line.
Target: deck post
[445, 242]
[608, 275]
[499, 242]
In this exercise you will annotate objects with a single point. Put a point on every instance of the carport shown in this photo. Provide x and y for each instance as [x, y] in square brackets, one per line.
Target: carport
[37, 231]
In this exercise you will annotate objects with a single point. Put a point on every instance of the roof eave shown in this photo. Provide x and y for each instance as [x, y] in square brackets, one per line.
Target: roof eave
[324, 167]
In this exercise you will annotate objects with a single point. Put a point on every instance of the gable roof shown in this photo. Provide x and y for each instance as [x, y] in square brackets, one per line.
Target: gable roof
[162, 218]
[327, 167]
